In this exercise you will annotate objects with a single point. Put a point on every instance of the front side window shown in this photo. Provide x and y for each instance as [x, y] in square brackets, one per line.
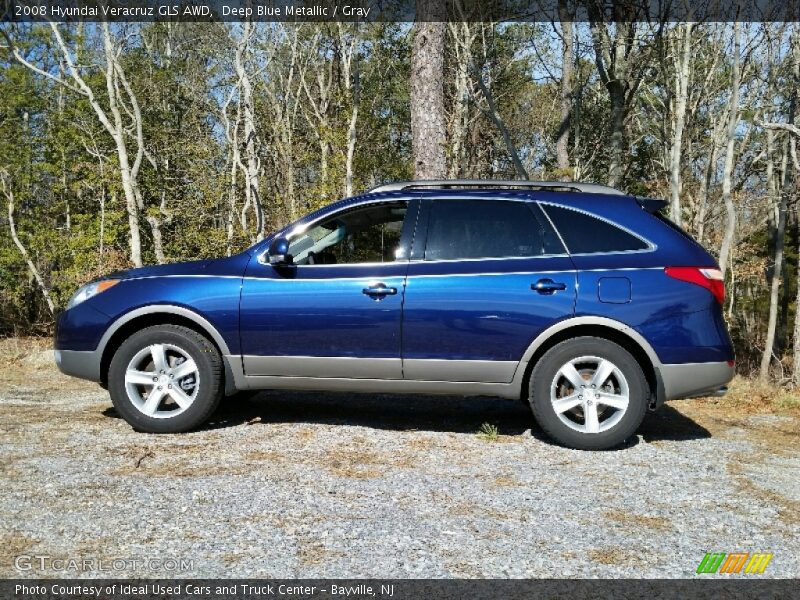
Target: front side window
[362, 235]
[585, 234]
[464, 229]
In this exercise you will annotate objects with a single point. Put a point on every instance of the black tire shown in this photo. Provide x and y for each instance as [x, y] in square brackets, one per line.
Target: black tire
[543, 377]
[209, 378]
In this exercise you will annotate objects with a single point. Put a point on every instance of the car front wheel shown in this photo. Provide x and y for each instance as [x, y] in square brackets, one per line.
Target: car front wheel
[166, 379]
[588, 393]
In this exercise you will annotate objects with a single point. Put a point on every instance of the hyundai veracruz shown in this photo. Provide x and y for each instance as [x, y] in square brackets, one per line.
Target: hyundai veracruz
[579, 299]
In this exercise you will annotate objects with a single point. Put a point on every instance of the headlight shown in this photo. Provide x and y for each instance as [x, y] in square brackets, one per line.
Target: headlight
[89, 290]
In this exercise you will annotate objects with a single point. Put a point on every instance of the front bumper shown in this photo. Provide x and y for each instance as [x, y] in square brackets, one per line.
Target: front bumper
[79, 363]
[694, 379]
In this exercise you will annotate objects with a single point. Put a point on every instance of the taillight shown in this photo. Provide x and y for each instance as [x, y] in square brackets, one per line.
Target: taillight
[711, 279]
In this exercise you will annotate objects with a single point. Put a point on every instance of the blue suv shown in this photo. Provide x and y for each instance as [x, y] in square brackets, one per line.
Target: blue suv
[581, 300]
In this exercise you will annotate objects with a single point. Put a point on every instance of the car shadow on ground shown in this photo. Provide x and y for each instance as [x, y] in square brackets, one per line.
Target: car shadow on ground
[378, 411]
[669, 424]
[453, 414]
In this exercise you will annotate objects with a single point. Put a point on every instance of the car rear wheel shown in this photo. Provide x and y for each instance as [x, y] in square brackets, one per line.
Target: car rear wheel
[166, 379]
[588, 393]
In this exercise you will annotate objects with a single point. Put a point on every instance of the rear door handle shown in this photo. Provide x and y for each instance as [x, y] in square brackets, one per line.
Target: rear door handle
[548, 286]
[378, 291]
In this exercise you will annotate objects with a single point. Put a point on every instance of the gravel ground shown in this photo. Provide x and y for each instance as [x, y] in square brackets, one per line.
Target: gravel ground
[338, 485]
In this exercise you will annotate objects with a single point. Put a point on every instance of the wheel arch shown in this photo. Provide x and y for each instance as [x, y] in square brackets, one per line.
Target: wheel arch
[148, 316]
[608, 329]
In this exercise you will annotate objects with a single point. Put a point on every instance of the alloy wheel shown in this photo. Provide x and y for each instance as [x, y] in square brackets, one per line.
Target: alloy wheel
[589, 394]
[162, 380]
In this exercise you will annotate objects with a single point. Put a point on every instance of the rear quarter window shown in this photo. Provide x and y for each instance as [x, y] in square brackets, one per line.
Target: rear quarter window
[586, 234]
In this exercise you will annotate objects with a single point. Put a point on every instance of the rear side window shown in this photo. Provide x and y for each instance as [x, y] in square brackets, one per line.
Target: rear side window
[585, 234]
[459, 229]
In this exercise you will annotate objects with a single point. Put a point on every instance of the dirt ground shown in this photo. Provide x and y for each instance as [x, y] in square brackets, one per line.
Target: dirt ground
[338, 485]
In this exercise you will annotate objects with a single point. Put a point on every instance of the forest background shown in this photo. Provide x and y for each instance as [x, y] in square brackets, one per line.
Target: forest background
[139, 143]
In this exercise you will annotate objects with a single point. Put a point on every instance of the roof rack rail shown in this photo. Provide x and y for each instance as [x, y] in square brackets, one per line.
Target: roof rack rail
[589, 188]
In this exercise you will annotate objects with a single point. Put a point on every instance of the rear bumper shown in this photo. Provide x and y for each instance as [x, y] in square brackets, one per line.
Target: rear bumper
[694, 379]
[79, 363]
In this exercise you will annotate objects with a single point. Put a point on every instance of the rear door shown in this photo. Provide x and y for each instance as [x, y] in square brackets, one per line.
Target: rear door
[486, 276]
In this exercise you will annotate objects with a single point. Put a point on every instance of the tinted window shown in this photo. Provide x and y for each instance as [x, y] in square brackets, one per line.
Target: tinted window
[362, 235]
[486, 229]
[584, 234]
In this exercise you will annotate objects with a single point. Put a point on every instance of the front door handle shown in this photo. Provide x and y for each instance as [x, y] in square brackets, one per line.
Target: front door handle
[378, 291]
[548, 286]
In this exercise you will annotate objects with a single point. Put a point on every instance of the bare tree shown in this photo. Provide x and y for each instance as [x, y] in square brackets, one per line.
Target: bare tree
[252, 167]
[462, 33]
[794, 140]
[778, 201]
[494, 115]
[682, 64]
[9, 194]
[778, 197]
[284, 91]
[622, 60]
[317, 108]
[235, 159]
[562, 139]
[95, 151]
[730, 142]
[348, 45]
[120, 98]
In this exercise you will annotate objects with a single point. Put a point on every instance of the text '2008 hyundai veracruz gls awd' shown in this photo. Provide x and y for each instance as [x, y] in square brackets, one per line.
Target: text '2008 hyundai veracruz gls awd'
[577, 298]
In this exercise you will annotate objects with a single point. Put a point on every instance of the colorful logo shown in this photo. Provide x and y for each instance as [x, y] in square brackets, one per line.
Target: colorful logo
[735, 562]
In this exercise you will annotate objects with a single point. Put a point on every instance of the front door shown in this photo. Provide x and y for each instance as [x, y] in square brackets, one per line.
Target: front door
[486, 277]
[337, 312]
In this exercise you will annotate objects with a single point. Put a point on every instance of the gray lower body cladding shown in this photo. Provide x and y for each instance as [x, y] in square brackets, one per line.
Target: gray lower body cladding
[694, 379]
[676, 380]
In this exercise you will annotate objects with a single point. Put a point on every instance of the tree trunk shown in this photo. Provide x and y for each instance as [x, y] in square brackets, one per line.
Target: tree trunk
[128, 171]
[351, 140]
[796, 187]
[492, 113]
[9, 194]
[793, 182]
[777, 196]
[727, 172]
[233, 186]
[232, 137]
[352, 82]
[253, 164]
[462, 34]
[428, 129]
[617, 142]
[562, 141]
[708, 176]
[681, 94]
[158, 244]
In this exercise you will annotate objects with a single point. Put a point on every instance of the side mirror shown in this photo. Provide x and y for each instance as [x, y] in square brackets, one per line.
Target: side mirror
[279, 253]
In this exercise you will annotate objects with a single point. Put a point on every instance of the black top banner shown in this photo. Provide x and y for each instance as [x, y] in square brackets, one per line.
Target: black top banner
[21, 11]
